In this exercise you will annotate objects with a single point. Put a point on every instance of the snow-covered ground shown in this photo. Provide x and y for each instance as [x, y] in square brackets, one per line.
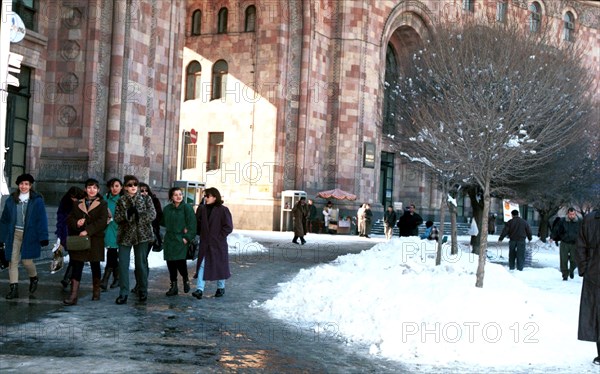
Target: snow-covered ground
[394, 301]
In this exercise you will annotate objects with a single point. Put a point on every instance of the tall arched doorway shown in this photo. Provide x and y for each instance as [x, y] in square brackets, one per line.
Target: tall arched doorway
[402, 44]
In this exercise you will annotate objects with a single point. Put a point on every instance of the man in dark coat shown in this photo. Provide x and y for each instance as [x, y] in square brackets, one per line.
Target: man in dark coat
[300, 214]
[389, 220]
[517, 229]
[566, 232]
[214, 224]
[409, 222]
[587, 257]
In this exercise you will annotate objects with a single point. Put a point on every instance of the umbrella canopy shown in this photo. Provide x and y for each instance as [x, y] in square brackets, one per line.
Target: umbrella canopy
[336, 194]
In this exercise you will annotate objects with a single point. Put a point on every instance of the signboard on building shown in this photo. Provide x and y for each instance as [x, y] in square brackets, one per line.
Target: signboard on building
[369, 155]
[507, 207]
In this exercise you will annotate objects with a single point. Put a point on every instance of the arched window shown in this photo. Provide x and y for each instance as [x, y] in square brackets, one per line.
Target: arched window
[219, 79]
[250, 23]
[390, 89]
[196, 22]
[501, 7]
[535, 17]
[192, 80]
[468, 5]
[222, 21]
[569, 26]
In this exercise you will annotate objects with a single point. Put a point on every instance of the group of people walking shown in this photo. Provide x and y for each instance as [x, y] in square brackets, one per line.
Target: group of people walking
[128, 216]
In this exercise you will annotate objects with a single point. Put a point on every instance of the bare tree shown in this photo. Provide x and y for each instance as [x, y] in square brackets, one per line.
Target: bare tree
[491, 105]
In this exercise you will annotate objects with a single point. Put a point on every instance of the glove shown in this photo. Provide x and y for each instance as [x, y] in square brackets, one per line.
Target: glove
[44, 243]
[131, 211]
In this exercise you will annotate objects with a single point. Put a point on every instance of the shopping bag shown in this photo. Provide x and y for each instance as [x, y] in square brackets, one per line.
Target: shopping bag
[57, 258]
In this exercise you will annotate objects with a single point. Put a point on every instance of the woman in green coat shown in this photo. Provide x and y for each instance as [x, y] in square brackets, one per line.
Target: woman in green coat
[180, 221]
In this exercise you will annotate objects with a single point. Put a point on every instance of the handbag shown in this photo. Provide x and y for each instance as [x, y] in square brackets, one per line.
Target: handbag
[57, 259]
[78, 243]
[192, 250]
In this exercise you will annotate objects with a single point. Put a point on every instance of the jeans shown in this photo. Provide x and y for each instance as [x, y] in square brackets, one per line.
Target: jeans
[201, 282]
[140, 253]
[516, 249]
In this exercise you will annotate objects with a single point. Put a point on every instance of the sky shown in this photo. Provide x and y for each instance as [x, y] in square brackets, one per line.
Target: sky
[391, 301]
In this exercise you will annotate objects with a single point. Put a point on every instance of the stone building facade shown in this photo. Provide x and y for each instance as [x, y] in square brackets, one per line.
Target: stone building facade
[100, 92]
[253, 97]
[289, 95]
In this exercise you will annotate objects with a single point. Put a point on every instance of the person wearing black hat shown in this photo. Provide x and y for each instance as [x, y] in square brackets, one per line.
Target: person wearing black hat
[24, 231]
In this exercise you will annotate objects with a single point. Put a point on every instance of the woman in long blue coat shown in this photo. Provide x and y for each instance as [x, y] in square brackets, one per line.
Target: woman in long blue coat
[24, 231]
[214, 224]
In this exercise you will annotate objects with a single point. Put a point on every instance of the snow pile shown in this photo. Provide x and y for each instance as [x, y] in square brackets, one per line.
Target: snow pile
[396, 301]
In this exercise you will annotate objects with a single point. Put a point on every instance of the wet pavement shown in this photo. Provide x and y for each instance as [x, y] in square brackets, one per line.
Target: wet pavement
[181, 334]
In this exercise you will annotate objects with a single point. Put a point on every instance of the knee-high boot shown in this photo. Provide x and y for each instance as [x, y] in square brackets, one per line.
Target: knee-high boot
[104, 282]
[72, 300]
[96, 289]
[67, 277]
[115, 282]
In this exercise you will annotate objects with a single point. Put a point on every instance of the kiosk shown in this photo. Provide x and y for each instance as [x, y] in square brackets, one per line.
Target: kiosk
[289, 198]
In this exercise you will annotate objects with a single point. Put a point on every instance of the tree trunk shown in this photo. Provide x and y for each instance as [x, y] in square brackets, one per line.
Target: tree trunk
[477, 205]
[483, 235]
[438, 258]
[453, 234]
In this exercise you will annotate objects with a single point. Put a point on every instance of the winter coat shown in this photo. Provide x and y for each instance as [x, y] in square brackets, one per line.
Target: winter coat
[389, 218]
[587, 258]
[156, 222]
[177, 220]
[409, 224]
[35, 228]
[299, 213]
[516, 229]
[110, 234]
[213, 233]
[566, 230]
[312, 212]
[136, 228]
[64, 209]
[96, 217]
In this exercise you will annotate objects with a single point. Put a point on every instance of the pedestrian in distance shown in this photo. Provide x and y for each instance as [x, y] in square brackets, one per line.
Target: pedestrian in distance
[327, 215]
[409, 222]
[88, 218]
[360, 220]
[134, 215]
[492, 224]
[214, 223]
[312, 217]
[179, 220]
[566, 232]
[23, 231]
[367, 219]
[431, 232]
[389, 220]
[299, 214]
[115, 191]
[517, 230]
[65, 206]
[587, 256]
